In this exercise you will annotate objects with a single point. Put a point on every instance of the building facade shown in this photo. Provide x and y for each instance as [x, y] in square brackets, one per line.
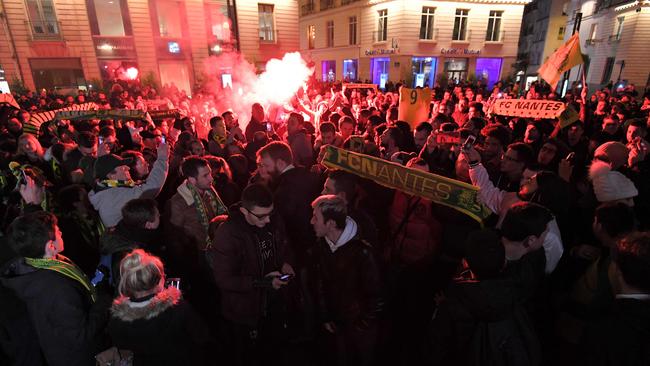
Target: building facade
[614, 36]
[418, 42]
[543, 30]
[69, 43]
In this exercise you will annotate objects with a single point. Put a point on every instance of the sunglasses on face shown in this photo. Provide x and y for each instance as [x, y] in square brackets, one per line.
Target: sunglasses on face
[260, 217]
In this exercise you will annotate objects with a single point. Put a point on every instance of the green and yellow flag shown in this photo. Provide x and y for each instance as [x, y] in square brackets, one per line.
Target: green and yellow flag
[566, 57]
[445, 191]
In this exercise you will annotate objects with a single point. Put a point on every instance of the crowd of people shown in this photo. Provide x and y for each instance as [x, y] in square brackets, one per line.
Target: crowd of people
[200, 239]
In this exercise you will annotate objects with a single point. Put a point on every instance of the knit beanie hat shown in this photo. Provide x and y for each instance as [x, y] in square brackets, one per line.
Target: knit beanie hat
[610, 185]
[616, 153]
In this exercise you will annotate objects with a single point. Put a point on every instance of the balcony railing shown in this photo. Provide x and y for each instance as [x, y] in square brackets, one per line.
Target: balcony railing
[465, 39]
[268, 35]
[307, 8]
[326, 4]
[500, 37]
[45, 30]
[432, 38]
[614, 38]
[378, 36]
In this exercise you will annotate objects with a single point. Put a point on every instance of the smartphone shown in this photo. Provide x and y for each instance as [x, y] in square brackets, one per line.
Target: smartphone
[163, 139]
[269, 127]
[101, 140]
[286, 277]
[571, 157]
[173, 282]
[99, 276]
[469, 142]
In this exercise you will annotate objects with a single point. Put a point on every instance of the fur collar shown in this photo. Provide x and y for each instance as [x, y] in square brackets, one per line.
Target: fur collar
[598, 168]
[126, 310]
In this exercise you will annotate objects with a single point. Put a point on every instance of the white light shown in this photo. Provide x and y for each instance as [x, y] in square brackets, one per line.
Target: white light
[216, 48]
[106, 47]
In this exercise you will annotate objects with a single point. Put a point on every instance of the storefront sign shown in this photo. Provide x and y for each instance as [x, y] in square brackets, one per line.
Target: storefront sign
[359, 86]
[445, 191]
[459, 51]
[112, 47]
[528, 108]
[380, 52]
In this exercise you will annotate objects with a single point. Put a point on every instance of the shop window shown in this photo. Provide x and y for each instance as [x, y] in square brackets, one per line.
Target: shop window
[329, 70]
[350, 68]
[423, 71]
[108, 18]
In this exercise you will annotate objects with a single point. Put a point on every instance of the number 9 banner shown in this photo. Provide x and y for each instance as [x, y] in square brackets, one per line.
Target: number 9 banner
[414, 105]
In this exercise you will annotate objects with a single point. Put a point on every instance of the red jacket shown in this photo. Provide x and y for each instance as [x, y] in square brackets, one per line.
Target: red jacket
[419, 237]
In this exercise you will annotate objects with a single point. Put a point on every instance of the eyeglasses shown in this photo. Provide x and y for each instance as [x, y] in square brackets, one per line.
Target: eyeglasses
[260, 217]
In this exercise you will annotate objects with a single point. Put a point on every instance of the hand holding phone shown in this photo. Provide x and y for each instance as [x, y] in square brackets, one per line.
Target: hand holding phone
[469, 142]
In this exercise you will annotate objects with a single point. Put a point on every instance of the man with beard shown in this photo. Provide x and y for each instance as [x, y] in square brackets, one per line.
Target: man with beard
[294, 188]
[391, 141]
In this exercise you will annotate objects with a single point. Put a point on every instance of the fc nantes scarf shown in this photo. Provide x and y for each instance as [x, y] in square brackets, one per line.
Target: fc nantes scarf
[64, 266]
[445, 191]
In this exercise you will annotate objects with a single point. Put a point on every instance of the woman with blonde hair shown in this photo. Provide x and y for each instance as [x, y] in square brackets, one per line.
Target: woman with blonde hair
[30, 148]
[152, 320]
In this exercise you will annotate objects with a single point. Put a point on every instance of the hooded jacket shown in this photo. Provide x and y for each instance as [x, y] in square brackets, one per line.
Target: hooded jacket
[109, 202]
[162, 330]
[348, 281]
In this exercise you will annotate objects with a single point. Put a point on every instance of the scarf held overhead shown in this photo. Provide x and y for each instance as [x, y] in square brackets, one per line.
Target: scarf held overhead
[442, 190]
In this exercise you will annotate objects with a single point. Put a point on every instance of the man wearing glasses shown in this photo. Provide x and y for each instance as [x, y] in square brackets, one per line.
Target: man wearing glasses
[250, 260]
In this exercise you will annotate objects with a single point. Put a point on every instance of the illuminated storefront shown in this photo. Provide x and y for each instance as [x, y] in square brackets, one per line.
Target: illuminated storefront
[416, 42]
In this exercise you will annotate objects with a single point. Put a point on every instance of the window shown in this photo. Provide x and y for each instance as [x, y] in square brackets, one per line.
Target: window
[382, 27]
[560, 33]
[350, 67]
[107, 17]
[43, 18]
[330, 33]
[311, 36]
[607, 73]
[426, 24]
[619, 28]
[565, 9]
[267, 28]
[494, 26]
[352, 30]
[460, 25]
[169, 19]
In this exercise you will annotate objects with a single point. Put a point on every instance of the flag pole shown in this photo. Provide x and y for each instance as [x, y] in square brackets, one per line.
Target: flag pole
[576, 28]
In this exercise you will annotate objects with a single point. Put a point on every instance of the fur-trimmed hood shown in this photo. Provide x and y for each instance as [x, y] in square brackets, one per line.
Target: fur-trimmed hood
[126, 310]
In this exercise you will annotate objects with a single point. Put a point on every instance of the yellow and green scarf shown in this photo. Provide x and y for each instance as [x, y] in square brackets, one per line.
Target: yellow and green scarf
[66, 267]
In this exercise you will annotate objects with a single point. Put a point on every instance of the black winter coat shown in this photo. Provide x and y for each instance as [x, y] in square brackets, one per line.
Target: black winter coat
[68, 324]
[349, 285]
[237, 265]
[167, 331]
[482, 323]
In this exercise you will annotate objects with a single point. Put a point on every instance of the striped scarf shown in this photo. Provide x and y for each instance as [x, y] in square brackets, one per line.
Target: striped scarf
[66, 267]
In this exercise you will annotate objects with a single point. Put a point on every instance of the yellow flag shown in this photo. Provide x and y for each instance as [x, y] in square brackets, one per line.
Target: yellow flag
[414, 105]
[566, 57]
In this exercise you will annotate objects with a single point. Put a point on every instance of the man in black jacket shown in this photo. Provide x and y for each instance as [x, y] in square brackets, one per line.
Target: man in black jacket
[249, 256]
[65, 309]
[349, 289]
